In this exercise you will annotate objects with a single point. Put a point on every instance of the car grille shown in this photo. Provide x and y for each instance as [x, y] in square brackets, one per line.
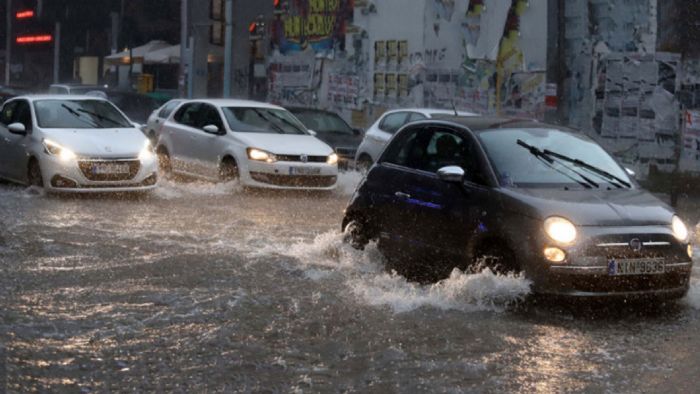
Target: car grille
[618, 247]
[309, 159]
[86, 167]
[294, 181]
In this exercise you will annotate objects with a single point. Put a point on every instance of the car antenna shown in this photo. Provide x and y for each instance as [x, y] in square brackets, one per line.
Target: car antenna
[454, 107]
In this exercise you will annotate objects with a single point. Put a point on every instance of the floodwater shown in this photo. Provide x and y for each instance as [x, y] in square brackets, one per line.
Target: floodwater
[202, 287]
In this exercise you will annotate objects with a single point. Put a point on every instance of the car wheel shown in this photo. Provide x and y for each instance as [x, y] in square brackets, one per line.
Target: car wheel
[364, 163]
[356, 234]
[498, 258]
[164, 164]
[228, 170]
[34, 176]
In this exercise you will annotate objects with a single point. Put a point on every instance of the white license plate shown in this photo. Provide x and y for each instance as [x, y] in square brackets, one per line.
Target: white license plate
[304, 171]
[110, 169]
[624, 267]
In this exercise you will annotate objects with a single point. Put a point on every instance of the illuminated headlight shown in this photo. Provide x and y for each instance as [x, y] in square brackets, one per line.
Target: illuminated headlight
[555, 255]
[61, 152]
[261, 155]
[332, 159]
[147, 152]
[680, 231]
[560, 230]
[690, 251]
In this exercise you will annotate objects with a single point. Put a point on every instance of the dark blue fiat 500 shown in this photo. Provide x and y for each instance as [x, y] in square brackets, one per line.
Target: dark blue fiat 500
[518, 196]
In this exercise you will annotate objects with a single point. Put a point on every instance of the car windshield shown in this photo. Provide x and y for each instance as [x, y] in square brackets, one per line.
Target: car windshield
[516, 166]
[262, 120]
[323, 122]
[78, 114]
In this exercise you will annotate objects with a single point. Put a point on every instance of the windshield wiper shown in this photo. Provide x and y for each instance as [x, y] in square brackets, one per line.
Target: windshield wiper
[101, 117]
[77, 115]
[545, 158]
[591, 168]
[272, 124]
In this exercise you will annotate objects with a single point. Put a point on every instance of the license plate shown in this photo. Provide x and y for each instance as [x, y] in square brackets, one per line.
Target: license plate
[624, 267]
[110, 169]
[304, 171]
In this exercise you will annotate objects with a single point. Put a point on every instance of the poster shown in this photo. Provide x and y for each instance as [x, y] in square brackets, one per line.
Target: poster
[403, 85]
[379, 51]
[379, 83]
[391, 86]
[691, 137]
[403, 51]
[392, 50]
[344, 90]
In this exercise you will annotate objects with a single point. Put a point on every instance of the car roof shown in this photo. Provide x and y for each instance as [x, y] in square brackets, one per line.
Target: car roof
[233, 103]
[431, 111]
[484, 123]
[34, 97]
[310, 109]
[75, 85]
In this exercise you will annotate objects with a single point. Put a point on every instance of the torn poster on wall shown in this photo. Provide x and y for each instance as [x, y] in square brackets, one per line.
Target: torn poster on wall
[690, 158]
[344, 91]
[319, 24]
[290, 81]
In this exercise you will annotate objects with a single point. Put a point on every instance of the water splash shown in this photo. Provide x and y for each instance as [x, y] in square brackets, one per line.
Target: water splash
[364, 274]
[347, 182]
[168, 189]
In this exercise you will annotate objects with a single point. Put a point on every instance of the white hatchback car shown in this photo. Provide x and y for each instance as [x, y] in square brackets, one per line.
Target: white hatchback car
[260, 144]
[384, 128]
[74, 144]
[157, 119]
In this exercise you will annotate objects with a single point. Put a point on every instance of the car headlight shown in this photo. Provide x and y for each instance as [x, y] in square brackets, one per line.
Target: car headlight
[680, 231]
[560, 229]
[147, 153]
[332, 159]
[261, 155]
[56, 149]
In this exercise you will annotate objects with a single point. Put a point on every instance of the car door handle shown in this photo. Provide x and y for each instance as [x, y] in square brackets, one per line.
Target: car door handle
[402, 195]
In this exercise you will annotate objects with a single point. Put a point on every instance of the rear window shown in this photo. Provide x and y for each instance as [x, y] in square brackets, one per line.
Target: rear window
[168, 108]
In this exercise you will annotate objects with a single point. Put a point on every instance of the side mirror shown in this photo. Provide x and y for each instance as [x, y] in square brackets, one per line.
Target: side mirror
[211, 129]
[452, 174]
[137, 125]
[313, 133]
[17, 128]
[630, 172]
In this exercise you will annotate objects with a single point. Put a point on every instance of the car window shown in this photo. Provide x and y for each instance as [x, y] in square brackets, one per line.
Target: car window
[23, 114]
[187, 114]
[323, 122]
[8, 111]
[262, 120]
[210, 116]
[168, 109]
[78, 114]
[415, 116]
[393, 122]
[430, 148]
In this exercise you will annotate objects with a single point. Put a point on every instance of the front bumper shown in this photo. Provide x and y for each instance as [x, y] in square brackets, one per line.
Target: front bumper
[76, 176]
[587, 273]
[287, 176]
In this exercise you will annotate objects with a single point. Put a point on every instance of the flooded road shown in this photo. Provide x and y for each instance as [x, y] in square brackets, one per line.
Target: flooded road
[206, 287]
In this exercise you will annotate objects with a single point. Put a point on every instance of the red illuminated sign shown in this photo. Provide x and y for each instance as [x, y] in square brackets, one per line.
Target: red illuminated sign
[25, 14]
[34, 39]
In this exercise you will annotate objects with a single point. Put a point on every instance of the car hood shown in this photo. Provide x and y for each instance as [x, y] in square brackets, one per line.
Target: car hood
[109, 143]
[618, 207]
[340, 140]
[285, 144]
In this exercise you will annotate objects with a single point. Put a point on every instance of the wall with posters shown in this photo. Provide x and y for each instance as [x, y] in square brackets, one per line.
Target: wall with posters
[316, 24]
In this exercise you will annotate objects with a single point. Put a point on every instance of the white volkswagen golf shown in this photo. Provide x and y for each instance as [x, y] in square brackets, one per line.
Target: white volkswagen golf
[73, 144]
[260, 144]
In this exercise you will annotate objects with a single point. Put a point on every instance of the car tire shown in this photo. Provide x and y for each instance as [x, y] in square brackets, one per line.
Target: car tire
[498, 258]
[228, 171]
[164, 164]
[356, 234]
[364, 163]
[34, 175]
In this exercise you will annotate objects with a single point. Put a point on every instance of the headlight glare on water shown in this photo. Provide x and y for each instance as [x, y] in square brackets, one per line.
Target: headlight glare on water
[680, 231]
[56, 149]
[147, 152]
[560, 229]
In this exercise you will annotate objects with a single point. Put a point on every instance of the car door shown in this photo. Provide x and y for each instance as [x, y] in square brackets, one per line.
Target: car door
[207, 148]
[180, 131]
[6, 138]
[440, 216]
[15, 150]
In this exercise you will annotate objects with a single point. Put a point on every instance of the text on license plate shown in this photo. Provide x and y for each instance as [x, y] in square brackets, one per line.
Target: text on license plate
[304, 171]
[110, 168]
[636, 266]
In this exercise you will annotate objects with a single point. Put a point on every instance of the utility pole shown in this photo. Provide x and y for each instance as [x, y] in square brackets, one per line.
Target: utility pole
[228, 48]
[57, 53]
[185, 66]
[8, 40]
